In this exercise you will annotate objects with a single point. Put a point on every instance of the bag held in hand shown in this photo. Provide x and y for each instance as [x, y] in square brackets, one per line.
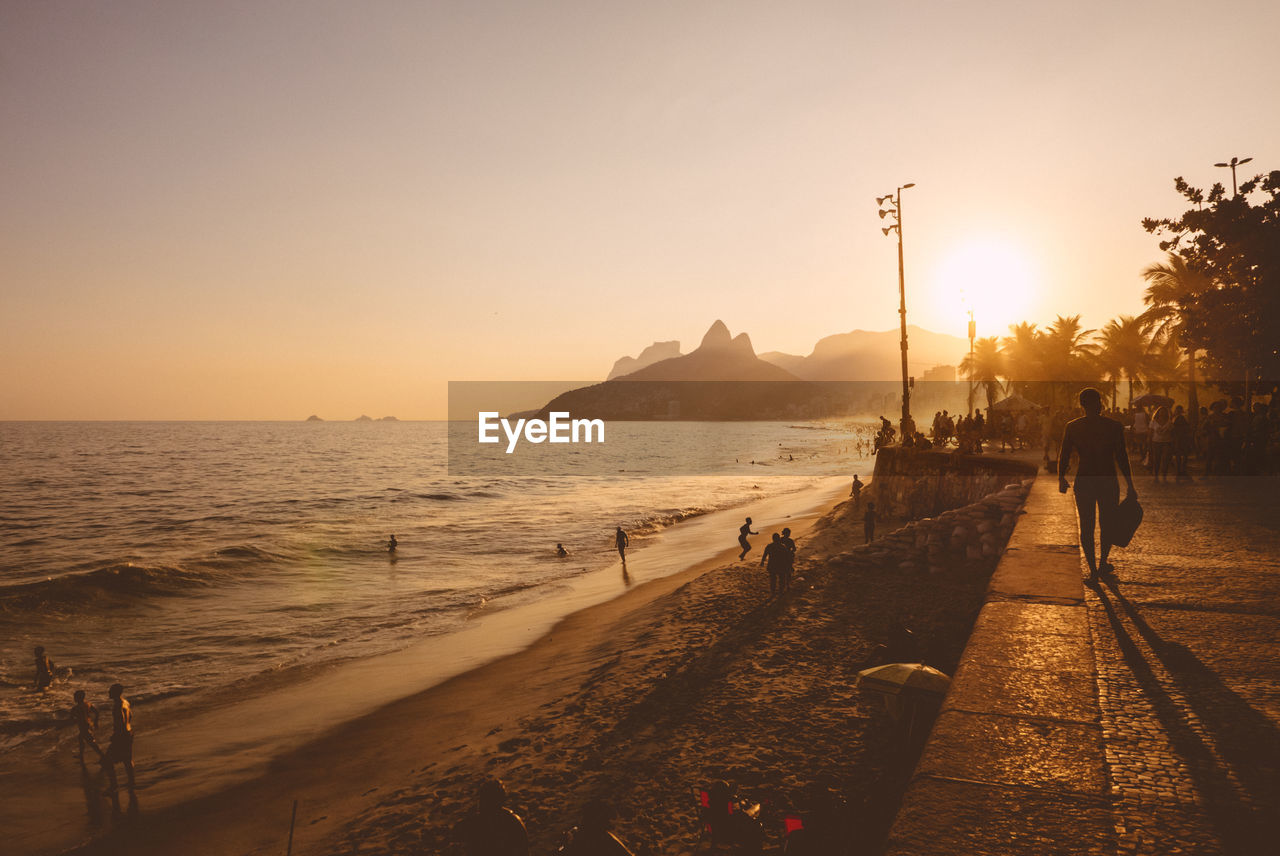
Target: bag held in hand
[1128, 519]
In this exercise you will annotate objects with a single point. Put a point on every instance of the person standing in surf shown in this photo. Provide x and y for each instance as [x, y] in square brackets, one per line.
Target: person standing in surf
[85, 716]
[120, 749]
[743, 531]
[44, 669]
[620, 538]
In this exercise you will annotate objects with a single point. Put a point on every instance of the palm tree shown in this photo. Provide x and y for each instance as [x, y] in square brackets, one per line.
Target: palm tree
[1124, 349]
[1065, 354]
[1021, 353]
[1172, 290]
[985, 365]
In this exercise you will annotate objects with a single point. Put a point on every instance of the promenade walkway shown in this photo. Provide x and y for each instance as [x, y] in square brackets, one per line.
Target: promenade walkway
[1142, 717]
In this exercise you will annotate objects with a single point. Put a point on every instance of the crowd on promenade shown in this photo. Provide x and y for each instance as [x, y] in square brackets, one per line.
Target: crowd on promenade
[1224, 438]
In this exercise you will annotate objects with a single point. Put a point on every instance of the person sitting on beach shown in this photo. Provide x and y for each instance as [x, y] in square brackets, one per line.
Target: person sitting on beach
[729, 823]
[788, 544]
[592, 837]
[492, 829]
[869, 522]
[1099, 443]
[44, 669]
[743, 531]
[773, 558]
[392, 543]
[120, 749]
[85, 716]
[620, 538]
[561, 551]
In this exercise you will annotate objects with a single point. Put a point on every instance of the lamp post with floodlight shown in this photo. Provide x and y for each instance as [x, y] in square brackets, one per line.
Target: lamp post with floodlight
[895, 211]
[972, 329]
[1232, 164]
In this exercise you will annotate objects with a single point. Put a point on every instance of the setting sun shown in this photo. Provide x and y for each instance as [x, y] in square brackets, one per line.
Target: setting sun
[992, 277]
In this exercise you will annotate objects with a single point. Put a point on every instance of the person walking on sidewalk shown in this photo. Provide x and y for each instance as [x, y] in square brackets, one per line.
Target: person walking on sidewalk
[1099, 444]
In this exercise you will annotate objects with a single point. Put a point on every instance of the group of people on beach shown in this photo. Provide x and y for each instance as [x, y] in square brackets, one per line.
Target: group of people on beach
[86, 718]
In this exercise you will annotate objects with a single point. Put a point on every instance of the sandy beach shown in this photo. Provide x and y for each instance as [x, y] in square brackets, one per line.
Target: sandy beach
[678, 682]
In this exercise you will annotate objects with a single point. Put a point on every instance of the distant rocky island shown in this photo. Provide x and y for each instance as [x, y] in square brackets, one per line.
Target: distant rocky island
[361, 418]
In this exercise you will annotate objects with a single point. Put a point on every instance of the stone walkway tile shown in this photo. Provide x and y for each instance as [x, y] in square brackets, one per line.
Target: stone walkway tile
[1023, 692]
[1053, 653]
[949, 818]
[1060, 756]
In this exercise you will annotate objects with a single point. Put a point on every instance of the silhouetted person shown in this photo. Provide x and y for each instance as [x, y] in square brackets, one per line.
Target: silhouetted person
[1182, 443]
[729, 825]
[392, 543]
[856, 491]
[790, 545]
[492, 829]
[592, 837]
[1099, 443]
[743, 531]
[120, 749]
[561, 551]
[85, 716]
[44, 669]
[869, 522]
[622, 541]
[774, 558]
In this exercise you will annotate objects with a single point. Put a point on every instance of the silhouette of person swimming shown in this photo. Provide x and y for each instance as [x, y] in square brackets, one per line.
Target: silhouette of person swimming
[743, 531]
[492, 829]
[620, 538]
[561, 551]
[1098, 442]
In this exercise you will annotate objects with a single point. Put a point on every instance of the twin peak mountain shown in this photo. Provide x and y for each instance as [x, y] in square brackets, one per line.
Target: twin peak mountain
[721, 378]
[859, 355]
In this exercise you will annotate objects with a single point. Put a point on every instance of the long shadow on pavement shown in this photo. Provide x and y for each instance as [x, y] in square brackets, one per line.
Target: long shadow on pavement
[1248, 742]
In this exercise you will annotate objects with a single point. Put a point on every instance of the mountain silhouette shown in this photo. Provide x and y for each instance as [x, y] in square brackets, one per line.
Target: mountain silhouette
[656, 352]
[863, 355]
[720, 357]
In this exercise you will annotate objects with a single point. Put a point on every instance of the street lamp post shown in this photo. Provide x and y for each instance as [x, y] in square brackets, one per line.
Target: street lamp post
[1232, 164]
[972, 329]
[895, 211]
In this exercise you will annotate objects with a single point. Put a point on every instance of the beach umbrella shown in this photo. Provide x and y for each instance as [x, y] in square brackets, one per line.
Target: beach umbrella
[1015, 402]
[1152, 400]
[900, 678]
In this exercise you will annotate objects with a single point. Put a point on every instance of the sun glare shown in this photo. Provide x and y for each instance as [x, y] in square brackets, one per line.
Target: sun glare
[993, 278]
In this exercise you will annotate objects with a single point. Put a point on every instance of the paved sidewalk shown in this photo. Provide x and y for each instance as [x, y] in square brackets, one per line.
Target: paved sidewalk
[1139, 718]
[1187, 648]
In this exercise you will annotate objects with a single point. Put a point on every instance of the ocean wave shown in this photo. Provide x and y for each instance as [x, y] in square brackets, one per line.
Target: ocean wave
[119, 580]
[667, 517]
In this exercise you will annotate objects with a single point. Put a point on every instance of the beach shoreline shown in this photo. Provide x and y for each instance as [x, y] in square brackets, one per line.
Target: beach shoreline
[364, 740]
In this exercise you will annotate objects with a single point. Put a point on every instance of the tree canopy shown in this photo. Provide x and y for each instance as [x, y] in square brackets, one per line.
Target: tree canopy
[1234, 245]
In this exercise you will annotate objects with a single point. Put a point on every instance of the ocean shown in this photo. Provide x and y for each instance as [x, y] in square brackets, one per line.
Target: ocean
[193, 562]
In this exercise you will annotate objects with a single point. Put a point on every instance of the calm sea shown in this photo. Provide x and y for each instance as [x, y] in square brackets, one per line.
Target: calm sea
[183, 559]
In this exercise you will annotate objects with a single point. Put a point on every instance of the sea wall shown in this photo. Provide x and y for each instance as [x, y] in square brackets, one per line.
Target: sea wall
[913, 483]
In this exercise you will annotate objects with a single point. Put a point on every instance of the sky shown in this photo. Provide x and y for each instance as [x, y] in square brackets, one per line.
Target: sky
[265, 210]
